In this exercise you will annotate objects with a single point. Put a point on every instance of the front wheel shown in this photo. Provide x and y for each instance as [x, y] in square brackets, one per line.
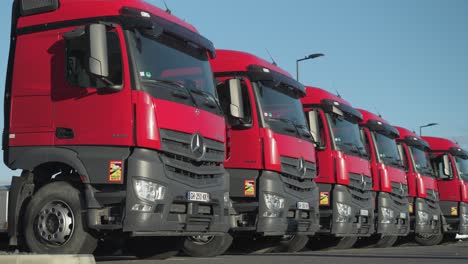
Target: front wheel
[206, 246]
[386, 241]
[292, 243]
[55, 221]
[429, 240]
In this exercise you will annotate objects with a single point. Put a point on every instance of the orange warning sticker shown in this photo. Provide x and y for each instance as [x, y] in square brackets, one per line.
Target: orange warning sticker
[249, 188]
[115, 171]
[454, 211]
[324, 198]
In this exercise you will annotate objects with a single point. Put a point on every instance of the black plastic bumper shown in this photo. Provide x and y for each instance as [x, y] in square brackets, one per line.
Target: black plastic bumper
[399, 224]
[361, 220]
[433, 225]
[454, 213]
[289, 219]
[174, 214]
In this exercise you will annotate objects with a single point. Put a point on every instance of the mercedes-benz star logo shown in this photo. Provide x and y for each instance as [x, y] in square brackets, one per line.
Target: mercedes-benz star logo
[363, 181]
[197, 146]
[301, 168]
[402, 190]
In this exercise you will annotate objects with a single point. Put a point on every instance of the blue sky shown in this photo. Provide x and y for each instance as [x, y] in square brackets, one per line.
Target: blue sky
[407, 60]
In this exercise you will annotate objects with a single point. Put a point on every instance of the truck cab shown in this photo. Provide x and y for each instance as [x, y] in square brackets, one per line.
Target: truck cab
[344, 176]
[112, 116]
[423, 192]
[270, 152]
[390, 186]
[450, 163]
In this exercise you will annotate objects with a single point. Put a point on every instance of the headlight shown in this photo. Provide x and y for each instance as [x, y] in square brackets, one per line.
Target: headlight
[227, 200]
[149, 191]
[423, 218]
[464, 219]
[344, 212]
[273, 202]
[387, 215]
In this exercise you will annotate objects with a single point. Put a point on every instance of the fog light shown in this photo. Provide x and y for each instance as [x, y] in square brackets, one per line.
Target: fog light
[344, 212]
[142, 208]
[149, 191]
[271, 214]
[423, 218]
[387, 215]
[227, 200]
[273, 202]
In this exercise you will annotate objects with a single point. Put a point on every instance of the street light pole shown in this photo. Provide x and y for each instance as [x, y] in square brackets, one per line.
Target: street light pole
[311, 56]
[428, 125]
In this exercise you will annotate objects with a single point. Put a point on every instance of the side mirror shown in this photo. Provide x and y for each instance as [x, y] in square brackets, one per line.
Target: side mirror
[236, 107]
[98, 60]
[314, 127]
[447, 166]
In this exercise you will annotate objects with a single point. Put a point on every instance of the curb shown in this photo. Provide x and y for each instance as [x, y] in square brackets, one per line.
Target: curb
[47, 259]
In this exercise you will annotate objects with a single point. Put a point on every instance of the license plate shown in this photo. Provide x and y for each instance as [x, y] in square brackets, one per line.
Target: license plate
[303, 205]
[198, 196]
[364, 212]
[402, 215]
[436, 217]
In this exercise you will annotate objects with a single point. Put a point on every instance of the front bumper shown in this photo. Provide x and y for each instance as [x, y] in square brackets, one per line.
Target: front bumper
[399, 224]
[361, 221]
[291, 220]
[174, 215]
[453, 212]
[433, 210]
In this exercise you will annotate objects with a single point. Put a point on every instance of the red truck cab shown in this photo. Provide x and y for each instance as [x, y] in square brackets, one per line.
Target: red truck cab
[390, 186]
[270, 153]
[450, 163]
[423, 193]
[344, 176]
[109, 112]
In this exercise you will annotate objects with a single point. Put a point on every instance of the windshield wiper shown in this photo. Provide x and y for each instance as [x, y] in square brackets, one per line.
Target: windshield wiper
[296, 126]
[209, 99]
[394, 162]
[175, 93]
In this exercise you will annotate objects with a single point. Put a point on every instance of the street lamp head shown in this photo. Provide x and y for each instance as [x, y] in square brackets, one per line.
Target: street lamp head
[315, 55]
[432, 124]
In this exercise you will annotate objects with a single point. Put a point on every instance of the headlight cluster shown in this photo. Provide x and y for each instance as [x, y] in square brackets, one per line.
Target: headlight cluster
[274, 204]
[387, 215]
[423, 218]
[149, 191]
[227, 200]
[464, 220]
[344, 212]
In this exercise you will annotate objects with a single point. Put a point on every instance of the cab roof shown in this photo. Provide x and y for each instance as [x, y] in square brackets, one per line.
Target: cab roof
[366, 116]
[412, 139]
[315, 95]
[440, 144]
[83, 9]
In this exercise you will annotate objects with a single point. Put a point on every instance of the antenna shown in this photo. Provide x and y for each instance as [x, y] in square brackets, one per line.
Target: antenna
[167, 8]
[271, 57]
[337, 93]
[378, 112]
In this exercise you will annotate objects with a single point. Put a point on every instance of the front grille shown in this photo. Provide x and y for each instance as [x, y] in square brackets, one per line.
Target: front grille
[293, 179]
[399, 193]
[360, 186]
[181, 164]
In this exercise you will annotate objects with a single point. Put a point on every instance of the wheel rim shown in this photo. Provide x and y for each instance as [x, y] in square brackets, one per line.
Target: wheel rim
[55, 223]
[201, 240]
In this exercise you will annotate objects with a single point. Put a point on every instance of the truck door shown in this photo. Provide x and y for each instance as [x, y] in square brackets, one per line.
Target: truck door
[449, 186]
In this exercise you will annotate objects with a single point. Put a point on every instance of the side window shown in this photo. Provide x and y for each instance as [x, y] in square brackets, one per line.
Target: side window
[403, 156]
[225, 101]
[438, 165]
[77, 54]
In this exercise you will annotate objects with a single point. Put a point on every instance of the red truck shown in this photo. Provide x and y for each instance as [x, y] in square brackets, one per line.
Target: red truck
[390, 186]
[344, 176]
[450, 163]
[112, 116]
[423, 193]
[270, 156]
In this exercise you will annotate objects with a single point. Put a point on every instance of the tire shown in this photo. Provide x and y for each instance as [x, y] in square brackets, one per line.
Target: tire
[260, 245]
[429, 240]
[292, 243]
[54, 221]
[154, 247]
[205, 246]
[386, 241]
[450, 238]
[331, 242]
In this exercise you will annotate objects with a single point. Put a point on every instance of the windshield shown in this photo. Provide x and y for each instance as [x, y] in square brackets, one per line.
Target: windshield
[421, 161]
[462, 167]
[282, 112]
[347, 135]
[387, 150]
[171, 69]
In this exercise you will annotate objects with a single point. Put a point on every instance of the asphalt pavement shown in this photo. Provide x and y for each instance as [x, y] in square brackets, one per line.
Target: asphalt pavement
[456, 252]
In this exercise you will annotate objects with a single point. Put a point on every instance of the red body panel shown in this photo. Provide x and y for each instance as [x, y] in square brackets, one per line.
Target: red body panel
[383, 175]
[449, 190]
[333, 165]
[417, 183]
[256, 147]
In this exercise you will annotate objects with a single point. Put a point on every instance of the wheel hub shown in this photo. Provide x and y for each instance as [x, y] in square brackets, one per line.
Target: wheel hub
[55, 223]
[201, 240]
